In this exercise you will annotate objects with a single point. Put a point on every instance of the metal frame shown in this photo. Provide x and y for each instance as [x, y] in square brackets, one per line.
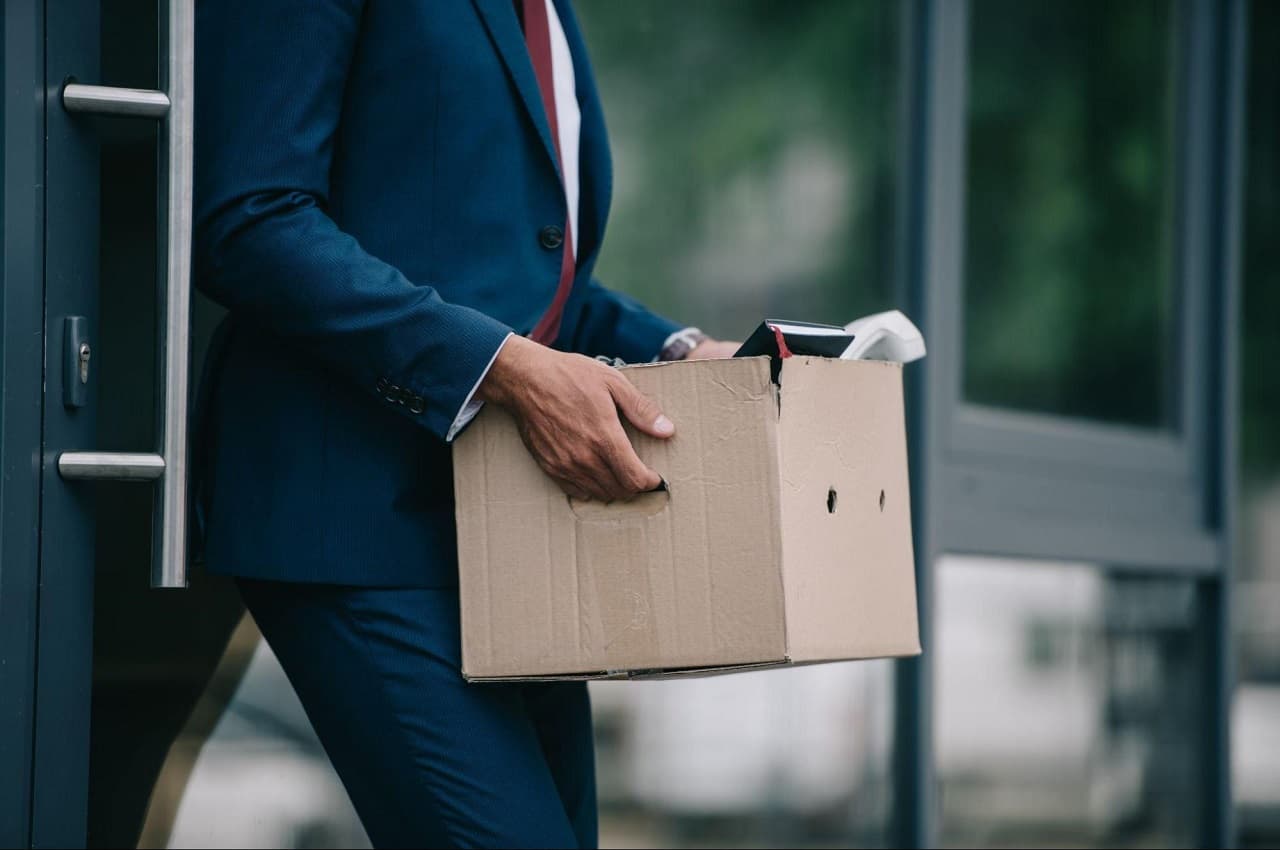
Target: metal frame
[1223, 322]
[21, 397]
[914, 786]
[64, 646]
[1155, 501]
[997, 461]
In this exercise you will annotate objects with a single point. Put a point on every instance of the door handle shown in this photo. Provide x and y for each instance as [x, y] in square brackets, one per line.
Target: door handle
[110, 100]
[168, 465]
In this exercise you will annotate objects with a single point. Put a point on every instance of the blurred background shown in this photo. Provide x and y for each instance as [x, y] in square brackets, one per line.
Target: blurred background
[1056, 164]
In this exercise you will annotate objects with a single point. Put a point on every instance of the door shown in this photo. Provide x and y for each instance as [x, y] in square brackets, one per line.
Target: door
[111, 641]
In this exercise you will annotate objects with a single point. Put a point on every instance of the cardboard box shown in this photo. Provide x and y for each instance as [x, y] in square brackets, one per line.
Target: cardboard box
[783, 537]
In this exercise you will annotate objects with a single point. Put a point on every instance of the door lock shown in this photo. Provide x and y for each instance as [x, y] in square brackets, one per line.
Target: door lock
[84, 362]
[76, 353]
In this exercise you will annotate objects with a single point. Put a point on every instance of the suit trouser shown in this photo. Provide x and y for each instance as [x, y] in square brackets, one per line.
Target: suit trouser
[429, 760]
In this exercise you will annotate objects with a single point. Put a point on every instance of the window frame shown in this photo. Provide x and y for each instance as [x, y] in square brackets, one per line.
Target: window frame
[1028, 484]
[966, 494]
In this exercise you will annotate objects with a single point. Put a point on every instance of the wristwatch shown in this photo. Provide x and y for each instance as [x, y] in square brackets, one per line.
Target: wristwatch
[680, 343]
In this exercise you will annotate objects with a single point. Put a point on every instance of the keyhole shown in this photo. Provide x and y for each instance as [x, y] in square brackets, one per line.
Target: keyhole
[831, 500]
[84, 362]
[881, 501]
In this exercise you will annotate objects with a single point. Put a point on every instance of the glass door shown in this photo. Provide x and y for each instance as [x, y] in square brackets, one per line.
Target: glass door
[124, 642]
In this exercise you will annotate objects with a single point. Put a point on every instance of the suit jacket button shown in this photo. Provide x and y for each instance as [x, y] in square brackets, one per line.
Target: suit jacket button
[382, 386]
[551, 237]
[394, 393]
[417, 404]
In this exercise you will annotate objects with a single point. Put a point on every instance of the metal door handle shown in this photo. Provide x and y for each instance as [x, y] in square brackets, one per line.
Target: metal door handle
[168, 466]
[121, 466]
[109, 100]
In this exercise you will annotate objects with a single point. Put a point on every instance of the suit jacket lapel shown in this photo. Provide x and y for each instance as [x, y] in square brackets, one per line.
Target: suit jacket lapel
[500, 20]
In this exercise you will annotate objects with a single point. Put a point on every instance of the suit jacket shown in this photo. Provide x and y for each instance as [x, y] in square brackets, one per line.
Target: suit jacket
[372, 183]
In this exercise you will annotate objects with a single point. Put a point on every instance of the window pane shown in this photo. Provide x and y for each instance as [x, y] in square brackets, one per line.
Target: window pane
[755, 156]
[754, 152]
[1255, 731]
[1066, 706]
[260, 778]
[1068, 284]
[775, 758]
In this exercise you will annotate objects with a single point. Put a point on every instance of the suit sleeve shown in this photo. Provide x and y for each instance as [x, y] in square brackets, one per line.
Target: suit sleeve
[270, 76]
[619, 326]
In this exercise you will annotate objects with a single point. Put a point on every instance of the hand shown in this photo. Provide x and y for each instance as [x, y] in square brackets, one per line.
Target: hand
[566, 407]
[713, 349]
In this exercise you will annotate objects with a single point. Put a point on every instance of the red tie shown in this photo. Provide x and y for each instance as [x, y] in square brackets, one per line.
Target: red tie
[537, 36]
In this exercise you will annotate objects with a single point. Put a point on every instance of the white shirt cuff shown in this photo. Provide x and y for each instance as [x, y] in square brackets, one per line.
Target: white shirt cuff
[472, 405]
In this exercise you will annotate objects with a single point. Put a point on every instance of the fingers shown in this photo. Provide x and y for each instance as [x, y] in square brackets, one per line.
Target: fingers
[581, 474]
[568, 413]
[616, 468]
[583, 488]
[640, 410]
[578, 468]
[628, 471]
[605, 468]
[574, 492]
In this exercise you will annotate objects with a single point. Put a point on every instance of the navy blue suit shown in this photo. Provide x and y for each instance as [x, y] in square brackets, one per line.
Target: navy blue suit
[372, 179]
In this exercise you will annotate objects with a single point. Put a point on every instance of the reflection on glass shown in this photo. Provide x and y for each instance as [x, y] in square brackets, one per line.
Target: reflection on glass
[1255, 730]
[1069, 292]
[261, 778]
[776, 758]
[754, 153]
[1066, 706]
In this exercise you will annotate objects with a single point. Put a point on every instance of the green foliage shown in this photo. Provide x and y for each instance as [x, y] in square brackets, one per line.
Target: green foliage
[756, 152]
[1071, 161]
[755, 155]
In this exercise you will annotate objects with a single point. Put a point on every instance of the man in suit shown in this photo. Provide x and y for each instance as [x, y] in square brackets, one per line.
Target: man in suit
[401, 203]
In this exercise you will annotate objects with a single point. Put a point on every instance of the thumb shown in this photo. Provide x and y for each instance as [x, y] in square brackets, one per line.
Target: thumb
[640, 410]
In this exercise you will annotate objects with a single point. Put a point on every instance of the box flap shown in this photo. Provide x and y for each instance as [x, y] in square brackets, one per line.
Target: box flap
[848, 569]
[684, 578]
